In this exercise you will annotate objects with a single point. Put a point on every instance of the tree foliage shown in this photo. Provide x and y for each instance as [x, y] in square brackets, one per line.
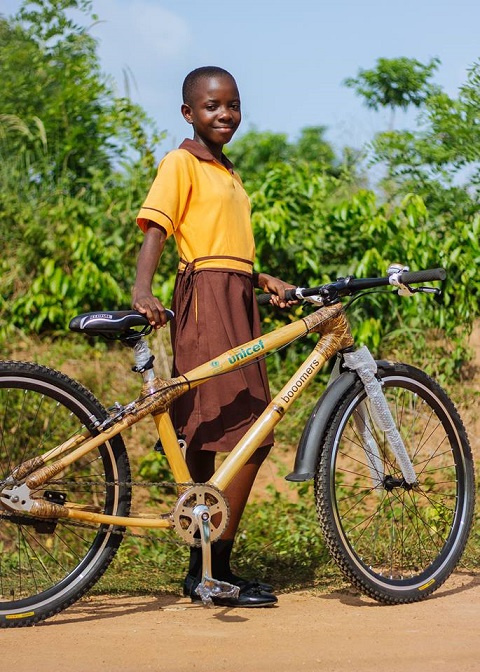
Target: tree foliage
[440, 159]
[395, 83]
[77, 161]
[256, 152]
[51, 78]
[312, 229]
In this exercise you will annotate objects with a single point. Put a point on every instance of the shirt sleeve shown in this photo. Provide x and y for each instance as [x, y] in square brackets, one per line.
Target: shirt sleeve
[168, 196]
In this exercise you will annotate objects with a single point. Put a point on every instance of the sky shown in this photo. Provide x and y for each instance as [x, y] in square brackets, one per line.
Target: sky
[290, 57]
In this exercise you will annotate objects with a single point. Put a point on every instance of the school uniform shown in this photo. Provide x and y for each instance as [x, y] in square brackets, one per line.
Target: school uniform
[203, 205]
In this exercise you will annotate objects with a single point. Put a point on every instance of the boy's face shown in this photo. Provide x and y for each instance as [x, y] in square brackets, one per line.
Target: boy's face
[214, 111]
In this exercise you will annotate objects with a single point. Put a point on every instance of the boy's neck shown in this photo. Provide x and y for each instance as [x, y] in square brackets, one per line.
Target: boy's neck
[215, 150]
[202, 151]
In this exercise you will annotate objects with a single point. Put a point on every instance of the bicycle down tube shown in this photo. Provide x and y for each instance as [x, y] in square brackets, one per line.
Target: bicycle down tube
[329, 322]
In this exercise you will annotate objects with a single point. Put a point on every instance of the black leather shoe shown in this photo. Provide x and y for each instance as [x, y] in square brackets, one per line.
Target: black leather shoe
[238, 581]
[251, 595]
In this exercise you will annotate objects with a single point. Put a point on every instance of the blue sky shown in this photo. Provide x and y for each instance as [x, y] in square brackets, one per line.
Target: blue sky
[289, 58]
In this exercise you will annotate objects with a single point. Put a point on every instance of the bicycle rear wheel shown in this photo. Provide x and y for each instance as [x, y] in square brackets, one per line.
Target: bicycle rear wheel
[46, 565]
[394, 542]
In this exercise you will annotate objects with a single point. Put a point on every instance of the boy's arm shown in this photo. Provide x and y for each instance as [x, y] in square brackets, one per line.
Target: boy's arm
[147, 263]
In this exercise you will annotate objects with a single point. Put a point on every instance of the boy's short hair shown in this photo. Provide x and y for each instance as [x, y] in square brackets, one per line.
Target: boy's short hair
[191, 80]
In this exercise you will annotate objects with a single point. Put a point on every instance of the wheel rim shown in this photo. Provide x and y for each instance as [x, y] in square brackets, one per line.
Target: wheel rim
[40, 560]
[402, 537]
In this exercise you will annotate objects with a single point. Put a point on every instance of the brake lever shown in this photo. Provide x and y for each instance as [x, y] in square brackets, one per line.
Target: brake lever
[427, 290]
[317, 300]
[406, 290]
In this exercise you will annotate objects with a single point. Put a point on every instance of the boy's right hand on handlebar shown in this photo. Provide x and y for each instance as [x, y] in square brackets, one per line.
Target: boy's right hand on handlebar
[151, 307]
[276, 288]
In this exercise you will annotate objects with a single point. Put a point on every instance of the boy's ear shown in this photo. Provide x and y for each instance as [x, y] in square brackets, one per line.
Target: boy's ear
[187, 113]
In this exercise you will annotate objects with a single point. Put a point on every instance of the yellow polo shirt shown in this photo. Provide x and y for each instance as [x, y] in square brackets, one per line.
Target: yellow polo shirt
[203, 205]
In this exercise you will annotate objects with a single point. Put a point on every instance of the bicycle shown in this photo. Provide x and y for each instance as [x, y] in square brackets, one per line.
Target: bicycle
[388, 453]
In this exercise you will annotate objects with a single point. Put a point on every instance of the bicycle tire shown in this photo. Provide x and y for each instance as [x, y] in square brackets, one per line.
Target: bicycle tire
[45, 566]
[393, 542]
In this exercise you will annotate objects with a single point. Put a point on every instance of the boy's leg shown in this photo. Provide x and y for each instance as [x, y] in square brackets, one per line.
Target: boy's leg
[202, 467]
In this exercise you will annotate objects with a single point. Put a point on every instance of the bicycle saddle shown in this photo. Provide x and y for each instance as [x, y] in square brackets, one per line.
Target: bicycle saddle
[110, 322]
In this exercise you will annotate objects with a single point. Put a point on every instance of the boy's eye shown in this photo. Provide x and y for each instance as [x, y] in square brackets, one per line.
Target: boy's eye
[235, 106]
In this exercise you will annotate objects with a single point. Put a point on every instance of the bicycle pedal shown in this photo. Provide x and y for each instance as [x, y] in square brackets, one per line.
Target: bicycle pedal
[208, 589]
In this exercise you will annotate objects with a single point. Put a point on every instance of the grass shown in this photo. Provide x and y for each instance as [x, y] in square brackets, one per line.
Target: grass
[279, 539]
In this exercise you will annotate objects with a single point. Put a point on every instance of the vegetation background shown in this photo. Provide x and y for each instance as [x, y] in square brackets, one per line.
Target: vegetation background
[76, 162]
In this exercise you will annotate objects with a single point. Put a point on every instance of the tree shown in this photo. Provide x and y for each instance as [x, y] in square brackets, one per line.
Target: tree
[440, 159]
[312, 146]
[256, 151]
[51, 80]
[395, 83]
[75, 163]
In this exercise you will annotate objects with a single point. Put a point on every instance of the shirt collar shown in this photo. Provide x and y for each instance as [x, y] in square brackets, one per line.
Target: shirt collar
[203, 153]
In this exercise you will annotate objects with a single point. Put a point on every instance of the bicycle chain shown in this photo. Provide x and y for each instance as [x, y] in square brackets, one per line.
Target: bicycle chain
[123, 533]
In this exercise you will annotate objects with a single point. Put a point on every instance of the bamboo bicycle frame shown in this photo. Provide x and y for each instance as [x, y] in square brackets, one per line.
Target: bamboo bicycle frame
[156, 397]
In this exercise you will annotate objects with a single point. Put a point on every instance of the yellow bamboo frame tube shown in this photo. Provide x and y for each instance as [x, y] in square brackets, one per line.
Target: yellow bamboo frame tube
[71, 443]
[236, 357]
[122, 521]
[47, 472]
[272, 415]
[172, 449]
[36, 462]
[337, 336]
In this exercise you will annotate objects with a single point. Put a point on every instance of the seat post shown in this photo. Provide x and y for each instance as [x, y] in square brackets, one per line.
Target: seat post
[143, 358]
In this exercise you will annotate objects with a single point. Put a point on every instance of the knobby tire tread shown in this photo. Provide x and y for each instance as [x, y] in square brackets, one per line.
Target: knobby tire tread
[100, 561]
[333, 536]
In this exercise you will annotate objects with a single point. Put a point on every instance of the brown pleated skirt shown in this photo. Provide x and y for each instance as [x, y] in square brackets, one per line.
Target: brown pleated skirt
[215, 311]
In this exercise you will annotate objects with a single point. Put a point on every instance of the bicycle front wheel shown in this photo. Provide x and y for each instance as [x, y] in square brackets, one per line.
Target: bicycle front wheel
[395, 542]
[46, 565]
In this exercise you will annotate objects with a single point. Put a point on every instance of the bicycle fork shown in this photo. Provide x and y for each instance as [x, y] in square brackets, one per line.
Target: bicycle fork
[363, 363]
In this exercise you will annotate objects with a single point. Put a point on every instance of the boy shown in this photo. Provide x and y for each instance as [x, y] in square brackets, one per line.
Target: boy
[199, 200]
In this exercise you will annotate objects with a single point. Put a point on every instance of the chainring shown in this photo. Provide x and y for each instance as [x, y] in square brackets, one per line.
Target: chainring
[184, 522]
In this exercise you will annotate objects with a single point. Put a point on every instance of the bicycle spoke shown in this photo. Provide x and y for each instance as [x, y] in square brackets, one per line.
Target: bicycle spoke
[392, 536]
[40, 558]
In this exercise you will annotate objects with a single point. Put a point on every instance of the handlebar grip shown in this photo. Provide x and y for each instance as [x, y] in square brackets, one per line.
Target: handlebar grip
[409, 277]
[263, 299]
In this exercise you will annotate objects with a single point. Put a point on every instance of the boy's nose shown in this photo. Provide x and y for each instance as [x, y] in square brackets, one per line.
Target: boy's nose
[225, 113]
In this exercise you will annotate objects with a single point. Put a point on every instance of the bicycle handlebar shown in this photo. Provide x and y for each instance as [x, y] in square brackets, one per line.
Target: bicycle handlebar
[350, 285]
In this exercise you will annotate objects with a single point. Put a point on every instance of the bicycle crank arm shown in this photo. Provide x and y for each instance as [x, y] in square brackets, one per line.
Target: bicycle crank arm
[208, 588]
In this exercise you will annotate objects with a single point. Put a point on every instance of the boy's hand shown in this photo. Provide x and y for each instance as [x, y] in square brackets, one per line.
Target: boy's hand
[151, 307]
[276, 287]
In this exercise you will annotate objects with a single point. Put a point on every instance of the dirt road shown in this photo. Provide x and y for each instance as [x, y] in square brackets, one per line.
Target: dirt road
[336, 632]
